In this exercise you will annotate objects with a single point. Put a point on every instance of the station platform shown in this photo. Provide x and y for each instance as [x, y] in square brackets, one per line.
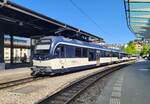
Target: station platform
[130, 85]
[14, 74]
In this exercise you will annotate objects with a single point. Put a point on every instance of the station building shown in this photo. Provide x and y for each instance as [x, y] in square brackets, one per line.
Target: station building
[21, 48]
[29, 24]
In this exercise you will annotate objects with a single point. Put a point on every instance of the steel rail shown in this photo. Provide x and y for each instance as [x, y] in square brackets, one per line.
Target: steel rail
[17, 82]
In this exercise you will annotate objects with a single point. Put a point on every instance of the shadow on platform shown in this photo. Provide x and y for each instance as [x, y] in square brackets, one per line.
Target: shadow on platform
[17, 65]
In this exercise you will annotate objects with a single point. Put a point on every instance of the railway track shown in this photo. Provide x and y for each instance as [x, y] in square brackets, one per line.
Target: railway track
[17, 82]
[68, 94]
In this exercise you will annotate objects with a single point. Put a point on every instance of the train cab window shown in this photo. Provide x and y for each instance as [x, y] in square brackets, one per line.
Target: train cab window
[42, 49]
[59, 52]
[84, 52]
[77, 52]
[41, 52]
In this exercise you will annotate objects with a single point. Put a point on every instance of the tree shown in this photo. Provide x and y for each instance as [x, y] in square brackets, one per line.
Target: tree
[131, 48]
[145, 50]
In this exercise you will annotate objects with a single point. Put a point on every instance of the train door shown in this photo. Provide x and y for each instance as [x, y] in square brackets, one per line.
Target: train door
[119, 56]
[111, 55]
[97, 57]
[60, 56]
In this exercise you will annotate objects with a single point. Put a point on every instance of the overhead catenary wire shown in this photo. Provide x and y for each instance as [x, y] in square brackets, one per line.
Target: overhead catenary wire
[87, 16]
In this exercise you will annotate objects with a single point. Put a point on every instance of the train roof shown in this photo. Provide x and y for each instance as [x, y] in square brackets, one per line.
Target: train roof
[63, 40]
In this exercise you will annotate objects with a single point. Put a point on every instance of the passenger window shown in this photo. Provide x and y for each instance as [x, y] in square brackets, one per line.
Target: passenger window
[70, 51]
[84, 52]
[62, 52]
[92, 55]
[102, 53]
[109, 54]
[78, 52]
[57, 52]
[115, 54]
[97, 54]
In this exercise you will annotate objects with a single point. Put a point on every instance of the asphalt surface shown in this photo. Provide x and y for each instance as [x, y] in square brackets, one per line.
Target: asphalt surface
[130, 85]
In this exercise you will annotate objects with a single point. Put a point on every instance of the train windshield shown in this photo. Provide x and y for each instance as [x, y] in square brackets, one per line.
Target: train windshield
[43, 47]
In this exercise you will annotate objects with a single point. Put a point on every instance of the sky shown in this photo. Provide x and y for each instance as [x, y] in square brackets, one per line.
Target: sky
[108, 14]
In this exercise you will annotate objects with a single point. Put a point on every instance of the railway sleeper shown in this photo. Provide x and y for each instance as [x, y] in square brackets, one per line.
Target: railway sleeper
[63, 98]
[79, 86]
[56, 102]
[72, 91]
[66, 94]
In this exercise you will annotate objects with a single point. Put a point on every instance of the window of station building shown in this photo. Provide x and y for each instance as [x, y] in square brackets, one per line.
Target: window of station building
[77, 52]
[84, 52]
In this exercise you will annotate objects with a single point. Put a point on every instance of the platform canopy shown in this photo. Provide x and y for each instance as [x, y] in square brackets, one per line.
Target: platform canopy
[138, 17]
[20, 21]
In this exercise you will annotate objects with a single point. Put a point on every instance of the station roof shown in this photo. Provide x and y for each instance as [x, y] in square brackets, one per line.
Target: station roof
[138, 17]
[20, 21]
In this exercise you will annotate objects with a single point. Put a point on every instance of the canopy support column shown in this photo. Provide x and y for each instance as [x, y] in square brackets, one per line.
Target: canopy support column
[2, 63]
[11, 49]
[31, 50]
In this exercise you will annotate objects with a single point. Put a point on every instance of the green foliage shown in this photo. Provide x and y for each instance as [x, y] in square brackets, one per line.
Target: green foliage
[145, 50]
[131, 49]
[149, 56]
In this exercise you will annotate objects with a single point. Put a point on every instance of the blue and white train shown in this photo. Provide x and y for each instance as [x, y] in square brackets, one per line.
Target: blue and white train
[57, 54]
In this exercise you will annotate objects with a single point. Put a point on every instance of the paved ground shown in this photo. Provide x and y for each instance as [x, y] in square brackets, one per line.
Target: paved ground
[131, 85]
[14, 74]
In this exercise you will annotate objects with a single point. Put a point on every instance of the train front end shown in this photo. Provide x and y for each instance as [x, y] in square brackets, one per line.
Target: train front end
[42, 58]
